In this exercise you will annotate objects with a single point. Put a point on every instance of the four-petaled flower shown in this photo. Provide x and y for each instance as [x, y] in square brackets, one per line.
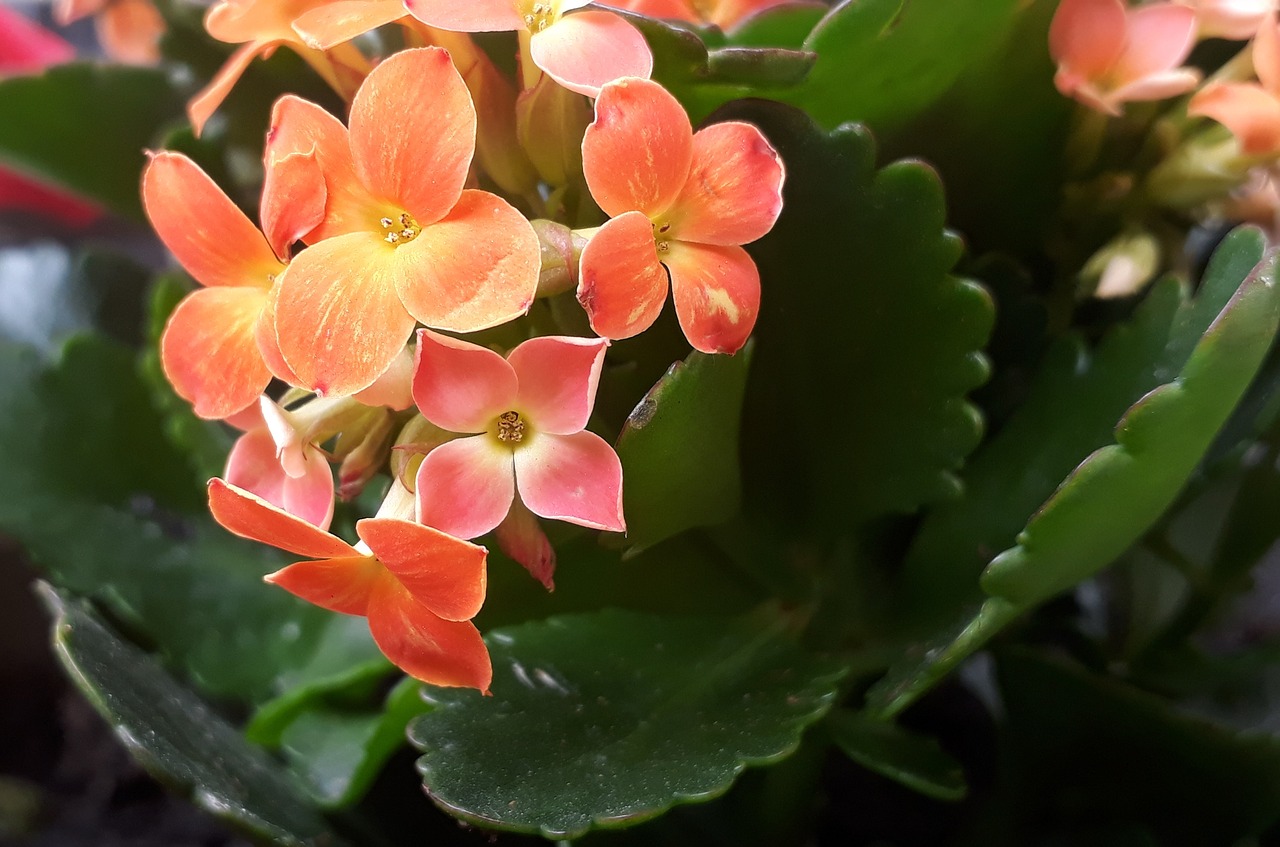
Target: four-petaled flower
[278, 463]
[681, 204]
[1251, 110]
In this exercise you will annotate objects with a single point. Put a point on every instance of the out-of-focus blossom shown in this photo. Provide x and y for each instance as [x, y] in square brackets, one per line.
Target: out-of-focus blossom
[1251, 110]
[1237, 20]
[128, 30]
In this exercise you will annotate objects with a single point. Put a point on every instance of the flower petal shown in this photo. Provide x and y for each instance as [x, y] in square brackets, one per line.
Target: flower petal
[1266, 53]
[443, 573]
[558, 379]
[476, 268]
[637, 153]
[293, 200]
[394, 389]
[254, 465]
[209, 350]
[413, 131]
[465, 486]
[268, 344]
[310, 496]
[249, 516]
[1160, 35]
[339, 321]
[1157, 86]
[336, 22]
[521, 537]
[734, 191]
[717, 294]
[586, 50]
[575, 478]
[209, 98]
[27, 47]
[130, 31]
[343, 585]
[423, 645]
[1250, 112]
[1088, 36]
[203, 229]
[471, 16]
[461, 386]
[621, 284]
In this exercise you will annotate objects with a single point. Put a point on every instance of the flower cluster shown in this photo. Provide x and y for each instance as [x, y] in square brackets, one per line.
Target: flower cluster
[378, 246]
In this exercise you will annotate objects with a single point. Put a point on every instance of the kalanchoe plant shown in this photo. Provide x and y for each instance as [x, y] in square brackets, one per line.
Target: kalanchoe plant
[718, 572]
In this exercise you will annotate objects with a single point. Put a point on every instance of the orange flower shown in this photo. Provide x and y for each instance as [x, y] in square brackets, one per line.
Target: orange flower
[128, 30]
[1250, 110]
[725, 14]
[399, 241]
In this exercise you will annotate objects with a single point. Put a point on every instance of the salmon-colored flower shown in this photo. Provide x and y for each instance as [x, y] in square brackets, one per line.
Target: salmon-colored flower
[581, 51]
[276, 461]
[399, 240]
[725, 14]
[128, 30]
[217, 349]
[418, 587]
[681, 205]
[525, 416]
[1251, 110]
[1237, 20]
[1109, 54]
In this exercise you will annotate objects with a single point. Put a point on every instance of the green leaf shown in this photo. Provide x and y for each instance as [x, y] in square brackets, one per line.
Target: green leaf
[830, 436]
[611, 718]
[679, 449]
[787, 26]
[912, 760]
[178, 738]
[43, 121]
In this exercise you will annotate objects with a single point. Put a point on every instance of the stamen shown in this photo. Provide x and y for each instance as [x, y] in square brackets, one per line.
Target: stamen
[402, 230]
[510, 427]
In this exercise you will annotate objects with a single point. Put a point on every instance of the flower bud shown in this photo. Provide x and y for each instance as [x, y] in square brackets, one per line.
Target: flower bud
[561, 250]
[550, 123]
[1123, 266]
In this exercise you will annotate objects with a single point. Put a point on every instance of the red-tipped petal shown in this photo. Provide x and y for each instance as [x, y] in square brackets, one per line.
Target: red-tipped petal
[465, 486]
[471, 16]
[460, 386]
[334, 23]
[1160, 36]
[621, 284]
[521, 537]
[717, 294]
[426, 647]
[342, 585]
[637, 152]
[207, 101]
[586, 50]
[249, 516]
[558, 379]
[575, 478]
[1088, 36]
[413, 131]
[1250, 112]
[476, 268]
[203, 229]
[339, 321]
[293, 200]
[209, 350]
[734, 191]
[443, 573]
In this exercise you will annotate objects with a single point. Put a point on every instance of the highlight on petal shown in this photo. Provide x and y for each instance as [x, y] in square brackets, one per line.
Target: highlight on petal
[339, 321]
[471, 16]
[637, 152]
[204, 230]
[717, 294]
[465, 486]
[460, 386]
[1157, 86]
[734, 191]
[621, 283]
[476, 268]
[249, 516]
[1160, 35]
[343, 584]
[521, 537]
[1251, 113]
[558, 380]
[586, 50]
[1088, 36]
[575, 478]
[209, 350]
[337, 22]
[423, 645]
[413, 132]
[443, 573]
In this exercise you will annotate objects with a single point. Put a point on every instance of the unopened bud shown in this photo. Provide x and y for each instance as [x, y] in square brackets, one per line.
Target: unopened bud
[1203, 169]
[1122, 267]
[367, 456]
[550, 123]
[561, 250]
[414, 441]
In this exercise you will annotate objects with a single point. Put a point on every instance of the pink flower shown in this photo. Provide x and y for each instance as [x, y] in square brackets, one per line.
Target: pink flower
[525, 416]
[277, 462]
[1109, 55]
[1237, 20]
[1250, 110]
[681, 205]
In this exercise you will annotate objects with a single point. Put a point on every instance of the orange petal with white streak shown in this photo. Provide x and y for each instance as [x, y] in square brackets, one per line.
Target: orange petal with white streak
[249, 516]
[717, 294]
[443, 573]
[423, 645]
[209, 350]
[621, 285]
[471, 16]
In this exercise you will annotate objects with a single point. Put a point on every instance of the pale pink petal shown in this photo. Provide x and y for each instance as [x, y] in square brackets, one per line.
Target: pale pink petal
[252, 466]
[1266, 54]
[621, 284]
[207, 101]
[558, 379]
[1251, 113]
[209, 350]
[336, 22]
[310, 495]
[637, 152]
[460, 386]
[734, 191]
[1158, 86]
[1237, 20]
[443, 573]
[586, 50]
[1088, 36]
[717, 294]
[575, 478]
[471, 16]
[343, 585]
[249, 516]
[465, 486]
[1160, 36]
[521, 537]
[426, 647]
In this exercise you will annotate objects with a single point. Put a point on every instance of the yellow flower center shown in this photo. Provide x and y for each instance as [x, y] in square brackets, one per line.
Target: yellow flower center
[510, 427]
[540, 16]
[661, 236]
[400, 230]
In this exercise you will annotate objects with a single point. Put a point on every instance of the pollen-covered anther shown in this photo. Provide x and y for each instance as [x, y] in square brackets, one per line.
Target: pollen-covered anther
[403, 229]
[510, 427]
[540, 17]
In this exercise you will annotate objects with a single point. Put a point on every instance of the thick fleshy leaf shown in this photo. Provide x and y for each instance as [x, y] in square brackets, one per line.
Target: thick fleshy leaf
[474, 269]
[413, 131]
[911, 760]
[679, 449]
[1251, 113]
[734, 191]
[251, 517]
[637, 152]
[667, 710]
[575, 478]
[210, 350]
[339, 321]
[1088, 36]
[717, 294]
[341, 584]
[586, 50]
[473, 16]
[558, 378]
[448, 653]
[460, 386]
[465, 486]
[621, 284]
[442, 573]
